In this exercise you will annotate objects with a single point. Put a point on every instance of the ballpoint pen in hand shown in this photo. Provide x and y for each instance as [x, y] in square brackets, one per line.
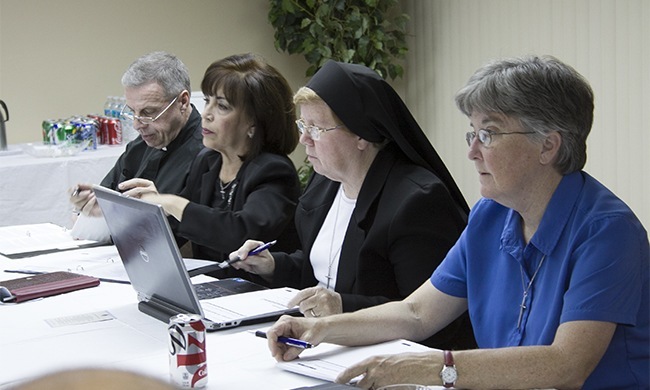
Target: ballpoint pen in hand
[254, 252]
[288, 341]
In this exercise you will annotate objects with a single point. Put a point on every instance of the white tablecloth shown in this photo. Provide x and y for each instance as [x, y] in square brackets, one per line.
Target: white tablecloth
[35, 189]
[32, 346]
[102, 327]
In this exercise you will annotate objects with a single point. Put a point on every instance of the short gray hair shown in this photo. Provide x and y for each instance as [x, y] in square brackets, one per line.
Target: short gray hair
[160, 67]
[544, 94]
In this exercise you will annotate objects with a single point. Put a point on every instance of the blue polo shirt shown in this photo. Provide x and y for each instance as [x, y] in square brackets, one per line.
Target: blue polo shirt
[595, 266]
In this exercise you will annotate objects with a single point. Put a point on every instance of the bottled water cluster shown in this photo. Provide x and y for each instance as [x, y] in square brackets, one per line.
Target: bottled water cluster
[112, 108]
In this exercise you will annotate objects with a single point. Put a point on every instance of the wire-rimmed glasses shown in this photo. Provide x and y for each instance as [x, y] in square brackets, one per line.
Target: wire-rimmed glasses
[314, 131]
[127, 113]
[485, 135]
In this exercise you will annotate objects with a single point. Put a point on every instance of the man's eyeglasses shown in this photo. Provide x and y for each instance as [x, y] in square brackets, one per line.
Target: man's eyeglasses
[314, 131]
[485, 136]
[145, 120]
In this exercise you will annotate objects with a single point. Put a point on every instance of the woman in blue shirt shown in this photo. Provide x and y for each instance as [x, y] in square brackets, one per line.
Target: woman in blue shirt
[552, 266]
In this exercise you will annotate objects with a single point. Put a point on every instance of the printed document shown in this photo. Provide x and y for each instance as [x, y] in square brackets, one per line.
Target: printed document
[248, 305]
[327, 361]
[24, 240]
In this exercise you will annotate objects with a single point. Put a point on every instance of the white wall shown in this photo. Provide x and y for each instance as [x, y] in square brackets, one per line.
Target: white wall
[605, 40]
[62, 58]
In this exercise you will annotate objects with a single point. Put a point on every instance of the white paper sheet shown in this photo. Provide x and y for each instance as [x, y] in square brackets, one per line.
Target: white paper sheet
[248, 305]
[102, 262]
[327, 361]
[37, 237]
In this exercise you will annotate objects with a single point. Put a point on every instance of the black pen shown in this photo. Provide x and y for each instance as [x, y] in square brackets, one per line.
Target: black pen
[75, 192]
[288, 340]
[254, 252]
[24, 271]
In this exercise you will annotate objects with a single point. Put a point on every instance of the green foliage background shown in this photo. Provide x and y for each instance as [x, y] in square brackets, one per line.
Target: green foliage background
[368, 32]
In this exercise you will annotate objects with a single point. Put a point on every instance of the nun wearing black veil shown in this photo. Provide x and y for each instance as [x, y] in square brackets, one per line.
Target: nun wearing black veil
[381, 210]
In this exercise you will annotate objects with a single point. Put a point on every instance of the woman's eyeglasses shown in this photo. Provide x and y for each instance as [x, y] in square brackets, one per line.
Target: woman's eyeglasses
[314, 131]
[485, 136]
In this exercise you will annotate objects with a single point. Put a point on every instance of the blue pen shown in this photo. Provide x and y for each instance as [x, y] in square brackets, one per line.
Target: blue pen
[288, 341]
[254, 252]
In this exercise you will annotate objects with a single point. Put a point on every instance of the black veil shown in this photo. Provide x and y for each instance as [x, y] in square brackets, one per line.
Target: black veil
[370, 108]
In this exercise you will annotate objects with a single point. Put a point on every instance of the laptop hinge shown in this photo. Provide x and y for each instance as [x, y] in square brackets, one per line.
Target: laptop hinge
[158, 308]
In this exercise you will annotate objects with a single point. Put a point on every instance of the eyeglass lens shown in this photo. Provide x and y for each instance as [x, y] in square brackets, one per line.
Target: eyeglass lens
[130, 115]
[484, 137]
[314, 132]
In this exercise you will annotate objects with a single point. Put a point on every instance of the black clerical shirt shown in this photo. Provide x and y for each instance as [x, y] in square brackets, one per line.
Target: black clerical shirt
[167, 167]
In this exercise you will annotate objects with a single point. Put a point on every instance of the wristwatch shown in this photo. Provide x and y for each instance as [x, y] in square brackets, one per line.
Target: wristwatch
[449, 375]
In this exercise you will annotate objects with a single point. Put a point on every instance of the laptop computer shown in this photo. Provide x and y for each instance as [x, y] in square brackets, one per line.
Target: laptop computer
[156, 270]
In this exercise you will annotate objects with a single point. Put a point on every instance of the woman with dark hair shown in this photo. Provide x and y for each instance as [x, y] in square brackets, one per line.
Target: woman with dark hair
[242, 183]
[381, 211]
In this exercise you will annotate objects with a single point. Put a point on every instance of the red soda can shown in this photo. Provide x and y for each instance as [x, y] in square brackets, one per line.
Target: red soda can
[114, 130]
[188, 366]
[103, 130]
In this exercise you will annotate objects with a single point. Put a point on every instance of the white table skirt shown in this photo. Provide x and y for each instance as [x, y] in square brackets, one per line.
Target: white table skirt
[35, 189]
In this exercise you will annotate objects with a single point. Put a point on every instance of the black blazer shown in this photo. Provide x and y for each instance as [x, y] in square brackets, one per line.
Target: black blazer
[263, 207]
[403, 224]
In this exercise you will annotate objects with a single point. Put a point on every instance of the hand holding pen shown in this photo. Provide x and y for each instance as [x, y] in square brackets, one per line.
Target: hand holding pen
[259, 249]
[288, 341]
[83, 200]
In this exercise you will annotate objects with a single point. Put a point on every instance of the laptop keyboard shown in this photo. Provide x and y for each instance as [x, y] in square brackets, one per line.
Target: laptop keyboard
[209, 290]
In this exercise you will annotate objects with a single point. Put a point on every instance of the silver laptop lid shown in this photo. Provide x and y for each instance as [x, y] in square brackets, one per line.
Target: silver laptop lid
[146, 244]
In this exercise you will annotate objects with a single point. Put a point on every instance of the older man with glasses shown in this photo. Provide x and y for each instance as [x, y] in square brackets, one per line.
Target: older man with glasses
[157, 91]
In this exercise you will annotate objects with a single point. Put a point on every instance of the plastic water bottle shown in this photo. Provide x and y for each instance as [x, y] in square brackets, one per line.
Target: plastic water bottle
[128, 132]
[108, 106]
[118, 103]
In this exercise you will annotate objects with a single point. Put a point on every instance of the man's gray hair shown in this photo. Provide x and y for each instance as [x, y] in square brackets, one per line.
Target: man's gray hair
[160, 67]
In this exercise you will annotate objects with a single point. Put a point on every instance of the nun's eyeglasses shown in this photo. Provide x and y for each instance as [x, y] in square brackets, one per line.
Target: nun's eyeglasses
[314, 131]
[485, 136]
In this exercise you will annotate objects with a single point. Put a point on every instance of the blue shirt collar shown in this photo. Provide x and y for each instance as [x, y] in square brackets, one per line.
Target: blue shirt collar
[553, 221]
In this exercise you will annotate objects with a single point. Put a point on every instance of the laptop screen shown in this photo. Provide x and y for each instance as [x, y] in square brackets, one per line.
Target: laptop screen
[145, 242]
